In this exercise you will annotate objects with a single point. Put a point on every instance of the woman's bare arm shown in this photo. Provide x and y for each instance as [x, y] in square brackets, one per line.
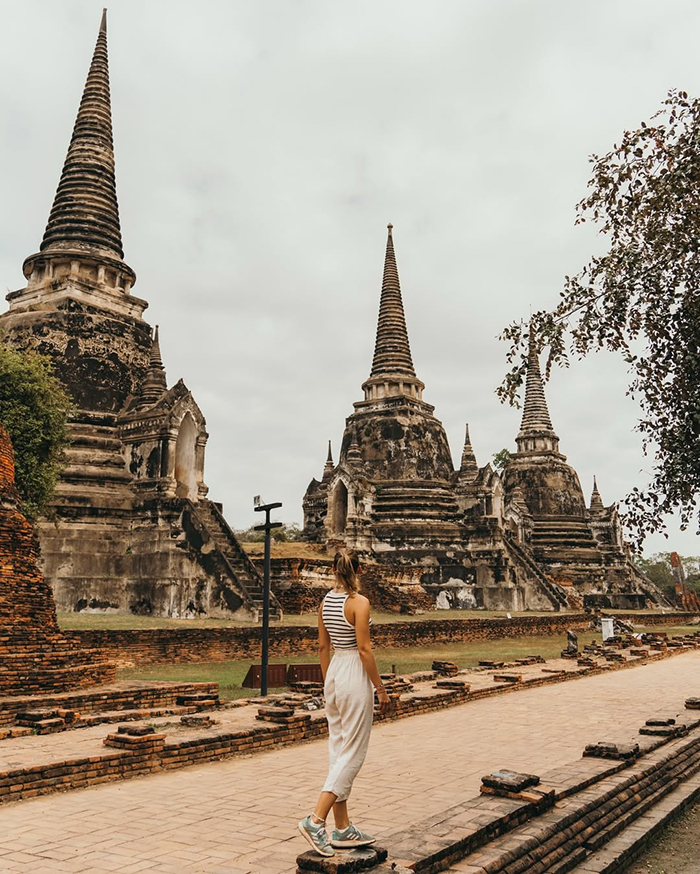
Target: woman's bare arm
[360, 610]
[324, 644]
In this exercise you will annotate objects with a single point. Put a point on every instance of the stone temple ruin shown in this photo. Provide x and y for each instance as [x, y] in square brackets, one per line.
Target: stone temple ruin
[524, 540]
[133, 528]
[546, 512]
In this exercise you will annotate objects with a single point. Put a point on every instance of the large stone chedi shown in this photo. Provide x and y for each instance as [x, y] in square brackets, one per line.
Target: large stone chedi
[133, 528]
[392, 487]
[575, 544]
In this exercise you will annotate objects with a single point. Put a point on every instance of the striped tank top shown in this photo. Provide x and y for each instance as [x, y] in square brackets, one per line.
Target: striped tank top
[341, 632]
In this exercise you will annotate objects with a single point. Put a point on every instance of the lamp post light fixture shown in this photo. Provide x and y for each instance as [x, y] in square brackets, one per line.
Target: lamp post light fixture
[259, 507]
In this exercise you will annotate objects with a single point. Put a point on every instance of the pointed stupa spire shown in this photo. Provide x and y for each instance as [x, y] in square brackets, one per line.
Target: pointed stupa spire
[156, 359]
[328, 467]
[84, 218]
[469, 467]
[536, 420]
[535, 412]
[392, 372]
[392, 353]
[155, 383]
[596, 500]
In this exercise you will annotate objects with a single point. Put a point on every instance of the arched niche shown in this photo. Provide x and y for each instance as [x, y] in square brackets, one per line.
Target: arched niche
[340, 508]
[185, 459]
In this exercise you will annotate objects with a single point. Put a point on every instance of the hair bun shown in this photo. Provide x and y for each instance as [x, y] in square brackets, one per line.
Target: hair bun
[346, 563]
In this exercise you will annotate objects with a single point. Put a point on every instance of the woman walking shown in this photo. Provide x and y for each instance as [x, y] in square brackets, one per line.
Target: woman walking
[350, 678]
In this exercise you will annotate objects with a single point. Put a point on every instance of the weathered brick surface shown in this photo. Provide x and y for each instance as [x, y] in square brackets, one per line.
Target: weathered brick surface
[17, 784]
[163, 645]
[34, 655]
[300, 584]
[513, 834]
[131, 698]
[415, 769]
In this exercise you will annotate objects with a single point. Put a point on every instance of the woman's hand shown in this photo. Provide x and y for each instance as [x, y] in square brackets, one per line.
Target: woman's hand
[383, 699]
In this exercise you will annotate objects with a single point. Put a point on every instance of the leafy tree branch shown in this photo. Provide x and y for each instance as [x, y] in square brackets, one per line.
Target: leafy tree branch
[641, 300]
[34, 408]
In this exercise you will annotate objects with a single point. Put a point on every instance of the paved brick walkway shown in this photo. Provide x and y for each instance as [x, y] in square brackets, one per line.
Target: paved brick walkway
[238, 816]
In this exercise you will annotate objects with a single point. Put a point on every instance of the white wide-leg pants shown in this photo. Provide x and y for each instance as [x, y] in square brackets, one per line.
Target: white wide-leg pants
[349, 708]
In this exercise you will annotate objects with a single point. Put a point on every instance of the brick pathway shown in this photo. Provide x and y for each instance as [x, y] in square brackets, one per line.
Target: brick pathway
[238, 816]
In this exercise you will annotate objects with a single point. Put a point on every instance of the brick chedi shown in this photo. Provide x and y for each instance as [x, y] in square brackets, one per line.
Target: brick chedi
[34, 655]
[391, 489]
[573, 544]
[133, 527]
[77, 305]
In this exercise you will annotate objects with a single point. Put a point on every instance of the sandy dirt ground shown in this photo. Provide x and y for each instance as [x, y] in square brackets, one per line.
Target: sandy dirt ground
[676, 850]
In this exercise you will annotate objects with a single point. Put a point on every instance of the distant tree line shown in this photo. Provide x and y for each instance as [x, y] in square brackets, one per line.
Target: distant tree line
[658, 568]
[287, 533]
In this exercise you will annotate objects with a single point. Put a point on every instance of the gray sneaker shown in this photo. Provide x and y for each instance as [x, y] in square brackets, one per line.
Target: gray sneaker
[315, 834]
[351, 837]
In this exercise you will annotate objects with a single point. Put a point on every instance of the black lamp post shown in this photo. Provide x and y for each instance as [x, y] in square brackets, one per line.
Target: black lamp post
[267, 527]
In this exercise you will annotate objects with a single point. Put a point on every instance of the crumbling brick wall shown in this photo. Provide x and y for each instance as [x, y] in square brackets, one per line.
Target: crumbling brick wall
[35, 656]
[178, 645]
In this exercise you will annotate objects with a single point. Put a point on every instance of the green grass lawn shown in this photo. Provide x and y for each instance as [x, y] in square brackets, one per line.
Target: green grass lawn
[230, 675]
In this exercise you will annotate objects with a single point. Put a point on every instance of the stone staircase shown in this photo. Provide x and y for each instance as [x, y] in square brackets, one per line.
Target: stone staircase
[415, 500]
[553, 534]
[247, 577]
[554, 592]
[417, 514]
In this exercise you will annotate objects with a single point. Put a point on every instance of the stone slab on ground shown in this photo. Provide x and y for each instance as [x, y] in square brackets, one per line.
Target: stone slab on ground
[604, 750]
[343, 862]
[509, 781]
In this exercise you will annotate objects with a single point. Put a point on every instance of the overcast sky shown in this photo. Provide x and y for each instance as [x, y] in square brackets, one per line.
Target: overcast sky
[261, 148]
